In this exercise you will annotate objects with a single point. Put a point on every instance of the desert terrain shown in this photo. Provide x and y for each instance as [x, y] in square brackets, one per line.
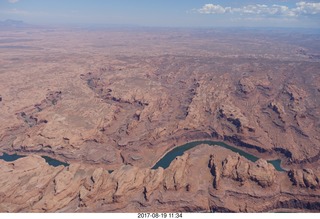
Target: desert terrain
[112, 102]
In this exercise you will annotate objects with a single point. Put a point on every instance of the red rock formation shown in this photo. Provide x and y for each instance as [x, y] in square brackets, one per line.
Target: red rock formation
[124, 107]
[31, 185]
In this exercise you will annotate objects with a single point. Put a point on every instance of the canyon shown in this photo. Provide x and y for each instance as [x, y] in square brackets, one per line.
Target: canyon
[112, 102]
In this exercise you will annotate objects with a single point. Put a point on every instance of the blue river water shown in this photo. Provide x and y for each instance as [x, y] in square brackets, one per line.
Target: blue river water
[49, 160]
[165, 161]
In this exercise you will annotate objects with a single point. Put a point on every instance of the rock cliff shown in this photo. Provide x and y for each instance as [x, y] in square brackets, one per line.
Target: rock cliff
[215, 182]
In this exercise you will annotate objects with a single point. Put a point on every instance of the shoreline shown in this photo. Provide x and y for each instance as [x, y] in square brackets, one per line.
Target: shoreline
[269, 158]
[57, 157]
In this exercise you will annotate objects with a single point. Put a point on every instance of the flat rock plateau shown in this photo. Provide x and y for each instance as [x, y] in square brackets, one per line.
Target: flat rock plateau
[112, 102]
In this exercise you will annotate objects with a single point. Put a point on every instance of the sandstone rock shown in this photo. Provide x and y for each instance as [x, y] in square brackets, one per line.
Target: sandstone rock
[99, 191]
[62, 181]
[229, 165]
[297, 177]
[97, 174]
[149, 101]
[23, 185]
[277, 107]
[153, 181]
[310, 179]
[246, 86]
[215, 171]
[304, 178]
[30, 185]
[174, 177]
[263, 173]
[240, 170]
[127, 178]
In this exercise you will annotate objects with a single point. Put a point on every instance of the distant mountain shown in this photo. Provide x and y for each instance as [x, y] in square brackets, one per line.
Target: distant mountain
[9, 23]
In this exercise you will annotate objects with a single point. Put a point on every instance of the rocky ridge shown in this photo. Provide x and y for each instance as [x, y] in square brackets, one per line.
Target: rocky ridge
[216, 182]
[101, 104]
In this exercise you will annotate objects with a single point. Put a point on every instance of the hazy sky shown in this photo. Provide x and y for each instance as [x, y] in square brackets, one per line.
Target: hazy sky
[281, 13]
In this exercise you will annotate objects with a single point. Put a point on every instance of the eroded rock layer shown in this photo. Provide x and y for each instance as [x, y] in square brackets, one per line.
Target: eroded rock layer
[108, 105]
[222, 181]
[266, 112]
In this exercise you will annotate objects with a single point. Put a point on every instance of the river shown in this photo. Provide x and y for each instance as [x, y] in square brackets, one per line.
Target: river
[49, 160]
[166, 160]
